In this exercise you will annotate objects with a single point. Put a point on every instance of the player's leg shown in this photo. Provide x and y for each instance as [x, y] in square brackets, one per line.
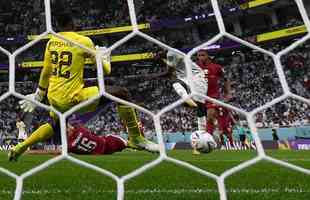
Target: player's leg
[127, 115]
[229, 135]
[211, 118]
[114, 144]
[135, 138]
[41, 134]
[201, 116]
[212, 123]
[46, 130]
[201, 121]
[200, 86]
[180, 88]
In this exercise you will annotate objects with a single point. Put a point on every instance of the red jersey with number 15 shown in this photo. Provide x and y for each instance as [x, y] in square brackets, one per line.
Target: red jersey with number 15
[83, 141]
[215, 72]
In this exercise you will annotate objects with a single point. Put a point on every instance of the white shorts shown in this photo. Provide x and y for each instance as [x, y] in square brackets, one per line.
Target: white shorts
[22, 135]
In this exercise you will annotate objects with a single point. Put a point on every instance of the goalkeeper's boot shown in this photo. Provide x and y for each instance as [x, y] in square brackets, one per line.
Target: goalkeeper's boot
[196, 152]
[15, 152]
[141, 143]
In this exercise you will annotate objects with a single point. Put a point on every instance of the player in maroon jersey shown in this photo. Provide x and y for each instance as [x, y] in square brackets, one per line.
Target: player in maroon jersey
[215, 73]
[226, 122]
[82, 141]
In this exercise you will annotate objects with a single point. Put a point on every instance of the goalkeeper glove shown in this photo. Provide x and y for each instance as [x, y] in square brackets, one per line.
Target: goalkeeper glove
[28, 106]
[106, 60]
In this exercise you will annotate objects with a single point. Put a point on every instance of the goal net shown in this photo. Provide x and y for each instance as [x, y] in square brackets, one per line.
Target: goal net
[249, 115]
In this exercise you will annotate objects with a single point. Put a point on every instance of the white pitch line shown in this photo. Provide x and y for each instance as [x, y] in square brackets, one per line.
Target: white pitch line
[166, 191]
[239, 160]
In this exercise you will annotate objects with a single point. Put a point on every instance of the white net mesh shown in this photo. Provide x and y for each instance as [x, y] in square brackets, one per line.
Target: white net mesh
[156, 117]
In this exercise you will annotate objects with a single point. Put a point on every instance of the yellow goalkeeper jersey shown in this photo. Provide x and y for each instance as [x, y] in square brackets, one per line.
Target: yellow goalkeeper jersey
[65, 62]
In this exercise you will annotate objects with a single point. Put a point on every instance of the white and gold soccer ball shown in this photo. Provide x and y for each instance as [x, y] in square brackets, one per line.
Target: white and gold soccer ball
[203, 141]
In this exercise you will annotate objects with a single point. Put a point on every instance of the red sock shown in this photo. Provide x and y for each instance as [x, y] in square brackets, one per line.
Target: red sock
[210, 128]
[114, 143]
[230, 138]
[222, 139]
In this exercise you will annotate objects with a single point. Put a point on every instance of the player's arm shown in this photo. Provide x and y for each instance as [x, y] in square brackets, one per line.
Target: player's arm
[162, 56]
[106, 61]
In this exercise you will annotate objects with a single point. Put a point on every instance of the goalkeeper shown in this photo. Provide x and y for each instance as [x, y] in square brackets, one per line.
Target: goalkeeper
[61, 80]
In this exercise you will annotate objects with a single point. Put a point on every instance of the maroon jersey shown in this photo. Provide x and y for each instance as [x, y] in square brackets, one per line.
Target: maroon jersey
[215, 72]
[83, 141]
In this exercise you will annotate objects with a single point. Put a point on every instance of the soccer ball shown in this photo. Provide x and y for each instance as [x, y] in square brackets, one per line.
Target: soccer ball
[203, 141]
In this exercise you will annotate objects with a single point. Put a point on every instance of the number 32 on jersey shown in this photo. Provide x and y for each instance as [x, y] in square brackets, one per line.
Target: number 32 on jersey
[61, 63]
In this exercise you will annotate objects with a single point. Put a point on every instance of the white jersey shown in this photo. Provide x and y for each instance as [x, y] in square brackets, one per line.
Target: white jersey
[21, 130]
[176, 60]
[200, 80]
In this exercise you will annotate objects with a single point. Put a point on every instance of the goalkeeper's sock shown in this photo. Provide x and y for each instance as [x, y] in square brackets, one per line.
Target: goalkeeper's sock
[128, 115]
[44, 132]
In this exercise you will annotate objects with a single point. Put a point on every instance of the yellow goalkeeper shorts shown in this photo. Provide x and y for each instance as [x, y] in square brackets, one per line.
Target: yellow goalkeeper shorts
[77, 97]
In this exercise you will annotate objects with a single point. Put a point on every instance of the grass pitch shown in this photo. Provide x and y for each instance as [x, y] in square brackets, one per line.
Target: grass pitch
[167, 181]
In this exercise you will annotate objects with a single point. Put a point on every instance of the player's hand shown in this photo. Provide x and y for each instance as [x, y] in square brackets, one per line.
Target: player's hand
[28, 106]
[106, 59]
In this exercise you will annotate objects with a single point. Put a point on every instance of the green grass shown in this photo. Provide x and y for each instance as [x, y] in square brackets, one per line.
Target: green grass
[69, 181]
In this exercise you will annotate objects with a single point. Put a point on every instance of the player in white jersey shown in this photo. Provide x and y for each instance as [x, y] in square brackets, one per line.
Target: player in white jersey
[200, 83]
[20, 125]
[199, 80]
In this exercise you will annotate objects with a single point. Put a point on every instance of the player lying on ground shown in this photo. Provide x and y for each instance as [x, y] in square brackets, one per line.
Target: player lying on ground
[62, 81]
[83, 141]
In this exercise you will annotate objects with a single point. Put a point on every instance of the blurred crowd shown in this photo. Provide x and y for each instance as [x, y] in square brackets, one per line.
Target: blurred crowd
[104, 14]
[151, 11]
